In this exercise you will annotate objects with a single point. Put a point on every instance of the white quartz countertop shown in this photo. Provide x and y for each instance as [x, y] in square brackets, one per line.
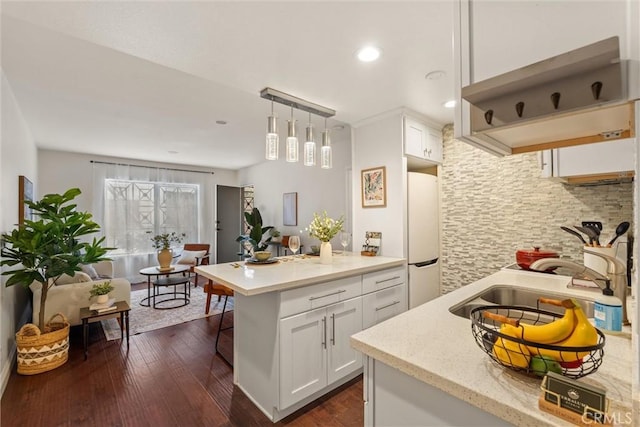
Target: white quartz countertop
[436, 347]
[291, 272]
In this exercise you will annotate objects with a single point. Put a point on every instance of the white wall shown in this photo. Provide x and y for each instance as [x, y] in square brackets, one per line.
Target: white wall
[378, 142]
[17, 157]
[60, 171]
[318, 189]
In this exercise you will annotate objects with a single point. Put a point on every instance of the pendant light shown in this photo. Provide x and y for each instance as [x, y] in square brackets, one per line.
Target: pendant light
[325, 151]
[309, 146]
[292, 141]
[272, 142]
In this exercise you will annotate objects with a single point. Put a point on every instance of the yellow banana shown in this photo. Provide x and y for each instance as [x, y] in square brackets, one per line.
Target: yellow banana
[553, 332]
[583, 335]
[511, 353]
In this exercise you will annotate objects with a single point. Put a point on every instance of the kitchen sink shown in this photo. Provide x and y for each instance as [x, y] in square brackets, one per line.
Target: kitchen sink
[509, 295]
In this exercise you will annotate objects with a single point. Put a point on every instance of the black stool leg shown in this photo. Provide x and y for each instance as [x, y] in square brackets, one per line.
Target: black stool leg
[220, 330]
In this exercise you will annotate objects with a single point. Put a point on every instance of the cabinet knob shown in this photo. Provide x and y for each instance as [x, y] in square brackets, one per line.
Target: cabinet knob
[488, 116]
[520, 108]
[555, 99]
[596, 88]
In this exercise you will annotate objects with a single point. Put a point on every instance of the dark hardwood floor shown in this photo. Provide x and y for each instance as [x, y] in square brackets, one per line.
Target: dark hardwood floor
[168, 377]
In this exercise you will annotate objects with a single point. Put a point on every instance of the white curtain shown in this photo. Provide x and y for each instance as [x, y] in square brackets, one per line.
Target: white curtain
[132, 205]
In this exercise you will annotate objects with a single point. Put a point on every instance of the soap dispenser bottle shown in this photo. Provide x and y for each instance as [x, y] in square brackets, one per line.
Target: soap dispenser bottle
[608, 310]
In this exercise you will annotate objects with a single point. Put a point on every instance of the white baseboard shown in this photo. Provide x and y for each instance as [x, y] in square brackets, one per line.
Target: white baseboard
[7, 368]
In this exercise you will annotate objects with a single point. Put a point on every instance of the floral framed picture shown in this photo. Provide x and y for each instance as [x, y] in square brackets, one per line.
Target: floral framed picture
[374, 187]
[25, 192]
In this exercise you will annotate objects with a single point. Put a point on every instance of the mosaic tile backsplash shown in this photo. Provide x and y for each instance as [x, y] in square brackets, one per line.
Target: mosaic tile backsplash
[493, 206]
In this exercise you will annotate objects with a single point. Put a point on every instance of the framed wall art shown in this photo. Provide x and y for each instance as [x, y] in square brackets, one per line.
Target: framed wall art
[290, 209]
[374, 187]
[25, 192]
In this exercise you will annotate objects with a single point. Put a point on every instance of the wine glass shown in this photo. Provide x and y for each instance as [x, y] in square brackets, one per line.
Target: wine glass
[294, 244]
[345, 239]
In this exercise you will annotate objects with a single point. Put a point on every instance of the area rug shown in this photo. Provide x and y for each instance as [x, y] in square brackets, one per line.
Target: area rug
[144, 319]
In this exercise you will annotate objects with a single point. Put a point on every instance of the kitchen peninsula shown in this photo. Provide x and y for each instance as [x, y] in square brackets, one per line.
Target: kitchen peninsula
[293, 320]
[435, 374]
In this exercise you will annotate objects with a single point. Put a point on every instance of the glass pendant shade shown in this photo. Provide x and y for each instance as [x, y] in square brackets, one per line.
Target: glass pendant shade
[309, 148]
[272, 141]
[325, 151]
[292, 142]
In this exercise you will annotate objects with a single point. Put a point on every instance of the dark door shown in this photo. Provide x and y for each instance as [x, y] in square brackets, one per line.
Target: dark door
[228, 223]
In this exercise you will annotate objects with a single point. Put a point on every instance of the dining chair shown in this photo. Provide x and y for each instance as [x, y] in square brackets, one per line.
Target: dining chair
[193, 255]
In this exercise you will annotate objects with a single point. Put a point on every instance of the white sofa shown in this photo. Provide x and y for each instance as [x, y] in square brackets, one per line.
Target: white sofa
[70, 294]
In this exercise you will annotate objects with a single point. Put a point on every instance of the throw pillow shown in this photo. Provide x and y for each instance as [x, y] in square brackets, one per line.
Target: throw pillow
[189, 257]
[79, 277]
[90, 270]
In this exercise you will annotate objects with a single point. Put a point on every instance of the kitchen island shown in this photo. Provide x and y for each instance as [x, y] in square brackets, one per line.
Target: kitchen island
[436, 374]
[293, 320]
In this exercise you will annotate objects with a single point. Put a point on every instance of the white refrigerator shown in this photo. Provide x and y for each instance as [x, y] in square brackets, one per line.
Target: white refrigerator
[423, 238]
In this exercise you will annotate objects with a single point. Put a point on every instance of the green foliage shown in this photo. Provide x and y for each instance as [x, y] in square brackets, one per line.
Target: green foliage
[101, 288]
[256, 234]
[163, 241]
[45, 249]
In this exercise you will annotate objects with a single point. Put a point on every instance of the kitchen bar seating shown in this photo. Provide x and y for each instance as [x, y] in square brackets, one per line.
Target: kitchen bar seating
[222, 291]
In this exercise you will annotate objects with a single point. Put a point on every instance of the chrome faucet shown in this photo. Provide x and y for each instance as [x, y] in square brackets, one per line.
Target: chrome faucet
[616, 277]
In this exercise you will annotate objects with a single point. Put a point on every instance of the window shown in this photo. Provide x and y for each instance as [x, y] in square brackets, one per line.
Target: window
[135, 211]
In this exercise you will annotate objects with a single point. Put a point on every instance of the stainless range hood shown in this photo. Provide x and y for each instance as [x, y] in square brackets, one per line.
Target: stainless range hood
[575, 98]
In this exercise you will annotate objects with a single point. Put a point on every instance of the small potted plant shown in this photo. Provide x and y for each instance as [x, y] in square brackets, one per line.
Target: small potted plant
[275, 235]
[101, 291]
[162, 242]
[254, 240]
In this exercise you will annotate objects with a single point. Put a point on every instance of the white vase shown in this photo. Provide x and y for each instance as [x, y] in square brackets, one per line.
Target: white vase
[325, 253]
[101, 299]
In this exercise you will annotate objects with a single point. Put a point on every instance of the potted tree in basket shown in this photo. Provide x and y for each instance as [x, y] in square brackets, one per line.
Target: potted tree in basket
[43, 250]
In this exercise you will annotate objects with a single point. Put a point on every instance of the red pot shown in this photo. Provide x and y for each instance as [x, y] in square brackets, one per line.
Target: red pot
[526, 257]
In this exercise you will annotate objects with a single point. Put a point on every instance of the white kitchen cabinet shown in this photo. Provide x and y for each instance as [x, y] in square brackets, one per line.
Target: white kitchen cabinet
[422, 142]
[393, 398]
[591, 162]
[315, 350]
[384, 304]
[528, 30]
[293, 346]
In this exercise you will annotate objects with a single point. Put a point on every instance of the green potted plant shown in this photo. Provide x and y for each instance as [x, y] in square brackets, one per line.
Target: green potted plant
[163, 242]
[253, 240]
[101, 291]
[275, 235]
[45, 249]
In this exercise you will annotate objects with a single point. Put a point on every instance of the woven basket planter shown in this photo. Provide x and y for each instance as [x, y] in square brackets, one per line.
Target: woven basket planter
[41, 352]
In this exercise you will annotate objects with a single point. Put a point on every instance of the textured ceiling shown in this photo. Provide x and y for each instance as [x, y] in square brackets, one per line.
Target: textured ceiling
[148, 80]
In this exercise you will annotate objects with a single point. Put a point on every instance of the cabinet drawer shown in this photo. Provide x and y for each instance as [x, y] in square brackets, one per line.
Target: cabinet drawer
[382, 279]
[382, 305]
[314, 296]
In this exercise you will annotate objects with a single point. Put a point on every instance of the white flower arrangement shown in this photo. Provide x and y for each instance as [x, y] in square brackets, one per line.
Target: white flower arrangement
[324, 228]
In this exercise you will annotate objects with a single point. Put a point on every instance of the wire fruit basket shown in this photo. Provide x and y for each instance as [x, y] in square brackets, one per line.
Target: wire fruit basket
[573, 362]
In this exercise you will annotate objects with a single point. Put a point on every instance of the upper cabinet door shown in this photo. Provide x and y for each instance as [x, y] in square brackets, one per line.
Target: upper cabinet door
[422, 142]
[415, 135]
[494, 38]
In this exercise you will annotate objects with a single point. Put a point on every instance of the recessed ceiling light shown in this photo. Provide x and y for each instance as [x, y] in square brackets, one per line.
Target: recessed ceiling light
[368, 53]
[435, 75]
[221, 122]
[450, 104]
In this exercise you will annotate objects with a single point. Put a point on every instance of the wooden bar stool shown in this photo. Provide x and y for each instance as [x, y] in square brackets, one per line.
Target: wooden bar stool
[222, 291]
